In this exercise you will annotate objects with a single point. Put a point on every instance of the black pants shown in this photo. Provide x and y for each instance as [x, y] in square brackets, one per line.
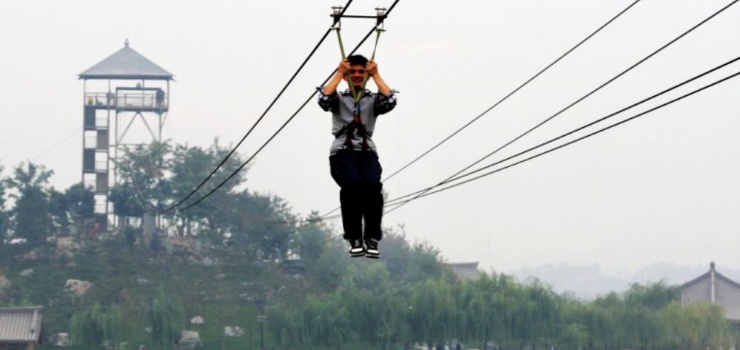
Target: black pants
[358, 175]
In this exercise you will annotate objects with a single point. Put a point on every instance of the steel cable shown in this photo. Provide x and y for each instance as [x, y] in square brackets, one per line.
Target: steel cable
[429, 191]
[289, 119]
[504, 98]
[448, 179]
[290, 81]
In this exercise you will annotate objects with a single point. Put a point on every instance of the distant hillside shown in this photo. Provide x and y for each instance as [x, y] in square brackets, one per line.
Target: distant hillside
[588, 281]
[582, 280]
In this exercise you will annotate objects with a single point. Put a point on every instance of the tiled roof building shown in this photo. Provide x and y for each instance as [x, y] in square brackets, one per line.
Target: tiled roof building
[465, 270]
[714, 288]
[20, 327]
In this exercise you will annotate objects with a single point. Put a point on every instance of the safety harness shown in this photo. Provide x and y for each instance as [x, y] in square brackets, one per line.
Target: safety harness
[356, 124]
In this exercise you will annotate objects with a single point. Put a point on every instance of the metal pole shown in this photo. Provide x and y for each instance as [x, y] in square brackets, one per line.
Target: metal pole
[261, 319]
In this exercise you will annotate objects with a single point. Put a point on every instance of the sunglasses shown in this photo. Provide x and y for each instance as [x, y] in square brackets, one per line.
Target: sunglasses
[356, 71]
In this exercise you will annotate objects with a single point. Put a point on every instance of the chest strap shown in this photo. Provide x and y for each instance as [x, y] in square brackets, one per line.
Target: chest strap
[349, 130]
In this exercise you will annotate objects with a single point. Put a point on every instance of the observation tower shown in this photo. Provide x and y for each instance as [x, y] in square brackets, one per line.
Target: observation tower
[126, 99]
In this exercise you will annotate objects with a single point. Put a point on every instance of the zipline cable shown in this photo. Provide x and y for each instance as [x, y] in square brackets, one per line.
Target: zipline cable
[591, 134]
[55, 145]
[233, 150]
[428, 191]
[586, 95]
[512, 92]
[543, 70]
[690, 80]
[289, 119]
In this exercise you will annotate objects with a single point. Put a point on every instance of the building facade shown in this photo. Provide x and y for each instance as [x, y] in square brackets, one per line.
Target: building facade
[715, 288]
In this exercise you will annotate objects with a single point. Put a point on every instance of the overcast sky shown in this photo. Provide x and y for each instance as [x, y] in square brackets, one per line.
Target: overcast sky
[663, 188]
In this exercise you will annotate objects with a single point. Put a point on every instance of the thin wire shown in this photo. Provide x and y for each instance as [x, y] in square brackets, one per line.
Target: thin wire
[191, 177]
[584, 97]
[288, 121]
[226, 209]
[505, 97]
[512, 92]
[260, 118]
[575, 130]
[53, 147]
[591, 134]
[428, 191]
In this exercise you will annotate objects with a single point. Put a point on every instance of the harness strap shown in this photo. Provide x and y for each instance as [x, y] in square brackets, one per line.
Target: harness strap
[348, 130]
[356, 124]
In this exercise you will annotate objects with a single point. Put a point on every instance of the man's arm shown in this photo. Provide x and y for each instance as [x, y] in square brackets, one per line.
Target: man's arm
[342, 70]
[372, 71]
[329, 97]
[386, 100]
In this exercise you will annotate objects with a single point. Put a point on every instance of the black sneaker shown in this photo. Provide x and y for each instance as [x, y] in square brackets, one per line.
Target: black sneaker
[372, 248]
[356, 249]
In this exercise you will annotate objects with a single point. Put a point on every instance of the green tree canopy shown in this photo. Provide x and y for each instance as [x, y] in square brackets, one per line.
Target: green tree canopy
[31, 213]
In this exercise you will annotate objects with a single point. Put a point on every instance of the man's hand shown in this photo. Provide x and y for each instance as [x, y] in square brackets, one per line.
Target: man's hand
[371, 68]
[343, 68]
[372, 71]
[342, 71]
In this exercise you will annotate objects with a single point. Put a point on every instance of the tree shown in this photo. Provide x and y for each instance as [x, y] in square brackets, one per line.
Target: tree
[601, 324]
[654, 296]
[143, 186]
[4, 217]
[31, 214]
[165, 316]
[573, 336]
[192, 165]
[311, 239]
[125, 201]
[71, 207]
[540, 312]
[694, 326]
[80, 204]
[97, 326]
[261, 225]
[433, 310]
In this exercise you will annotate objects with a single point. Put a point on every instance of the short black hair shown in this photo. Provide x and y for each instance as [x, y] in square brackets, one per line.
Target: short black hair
[357, 60]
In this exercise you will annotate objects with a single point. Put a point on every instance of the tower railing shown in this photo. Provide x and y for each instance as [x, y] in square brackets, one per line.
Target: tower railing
[149, 100]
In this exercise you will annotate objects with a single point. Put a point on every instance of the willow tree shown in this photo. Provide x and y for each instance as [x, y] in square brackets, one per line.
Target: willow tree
[97, 326]
[4, 224]
[481, 308]
[165, 317]
[433, 311]
[695, 326]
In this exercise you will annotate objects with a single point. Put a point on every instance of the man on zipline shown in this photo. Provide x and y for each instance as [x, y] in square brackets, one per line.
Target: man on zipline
[353, 157]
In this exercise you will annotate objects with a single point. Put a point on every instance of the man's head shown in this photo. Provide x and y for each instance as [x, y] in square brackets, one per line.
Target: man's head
[356, 74]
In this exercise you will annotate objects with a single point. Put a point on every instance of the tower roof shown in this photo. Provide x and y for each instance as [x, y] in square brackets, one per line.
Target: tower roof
[126, 63]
